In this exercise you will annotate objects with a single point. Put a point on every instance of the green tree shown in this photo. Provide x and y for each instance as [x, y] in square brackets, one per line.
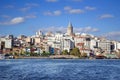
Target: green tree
[65, 52]
[27, 54]
[16, 54]
[84, 55]
[75, 52]
[45, 53]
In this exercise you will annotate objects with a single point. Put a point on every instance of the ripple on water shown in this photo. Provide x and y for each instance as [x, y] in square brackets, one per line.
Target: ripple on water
[51, 69]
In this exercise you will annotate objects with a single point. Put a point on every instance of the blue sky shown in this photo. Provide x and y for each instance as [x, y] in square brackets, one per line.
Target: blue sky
[97, 17]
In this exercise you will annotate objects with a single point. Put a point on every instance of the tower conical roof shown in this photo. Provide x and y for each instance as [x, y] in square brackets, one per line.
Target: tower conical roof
[70, 24]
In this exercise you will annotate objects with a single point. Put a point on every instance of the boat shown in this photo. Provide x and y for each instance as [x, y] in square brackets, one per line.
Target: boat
[100, 56]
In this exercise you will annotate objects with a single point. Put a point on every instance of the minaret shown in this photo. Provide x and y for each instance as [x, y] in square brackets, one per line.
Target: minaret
[70, 29]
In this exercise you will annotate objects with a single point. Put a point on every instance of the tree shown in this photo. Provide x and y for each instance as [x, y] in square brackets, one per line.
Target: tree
[75, 52]
[27, 54]
[65, 52]
[45, 53]
[84, 55]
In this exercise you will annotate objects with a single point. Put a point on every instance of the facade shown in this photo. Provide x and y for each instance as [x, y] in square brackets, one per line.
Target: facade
[6, 43]
[105, 46]
[37, 40]
[118, 45]
[93, 44]
[87, 43]
[39, 34]
[67, 44]
[55, 43]
[79, 43]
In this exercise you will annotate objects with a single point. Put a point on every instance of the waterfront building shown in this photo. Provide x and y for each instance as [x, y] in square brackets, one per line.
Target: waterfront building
[78, 39]
[105, 46]
[55, 43]
[83, 42]
[6, 43]
[28, 39]
[58, 36]
[118, 46]
[87, 43]
[79, 43]
[93, 44]
[37, 41]
[67, 44]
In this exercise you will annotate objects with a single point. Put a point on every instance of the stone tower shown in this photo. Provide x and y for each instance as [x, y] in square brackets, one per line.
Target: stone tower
[70, 29]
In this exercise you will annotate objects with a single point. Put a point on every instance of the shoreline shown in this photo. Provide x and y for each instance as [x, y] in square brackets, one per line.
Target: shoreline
[59, 57]
[49, 57]
[55, 57]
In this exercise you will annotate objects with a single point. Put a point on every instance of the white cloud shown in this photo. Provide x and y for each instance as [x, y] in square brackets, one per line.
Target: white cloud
[104, 16]
[67, 8]
[90, 8]
[9, 6]
[32, 4]
[51, 0]
[24, 9]
[28, 6]
[64, 29]
[5, 16]
[115, 35]
[70, 10]
[48, 13]
[76, 11]
[16, 20]
[86, 29]
[53, 29]
[30, 16]
[57, 12]
[54, 13]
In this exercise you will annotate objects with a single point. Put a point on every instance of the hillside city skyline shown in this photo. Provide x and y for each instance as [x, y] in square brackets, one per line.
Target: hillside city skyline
[59, 39]
[86, 45]
[53, 30]
[97, 17]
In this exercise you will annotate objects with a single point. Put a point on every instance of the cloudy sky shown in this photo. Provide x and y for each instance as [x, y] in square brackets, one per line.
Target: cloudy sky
[97, 17]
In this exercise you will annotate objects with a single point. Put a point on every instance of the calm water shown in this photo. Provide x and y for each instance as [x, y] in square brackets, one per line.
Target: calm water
[59, 69]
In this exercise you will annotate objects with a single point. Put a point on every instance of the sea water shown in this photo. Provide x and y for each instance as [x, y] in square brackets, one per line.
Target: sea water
[59, 69]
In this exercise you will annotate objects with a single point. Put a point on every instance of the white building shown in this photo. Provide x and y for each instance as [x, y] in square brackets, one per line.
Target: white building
[93, 44]
[61, 42]
[39, 34]
[67, 43]
[105, 46]
[7, 43]
[79, 40]
[118, 45]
